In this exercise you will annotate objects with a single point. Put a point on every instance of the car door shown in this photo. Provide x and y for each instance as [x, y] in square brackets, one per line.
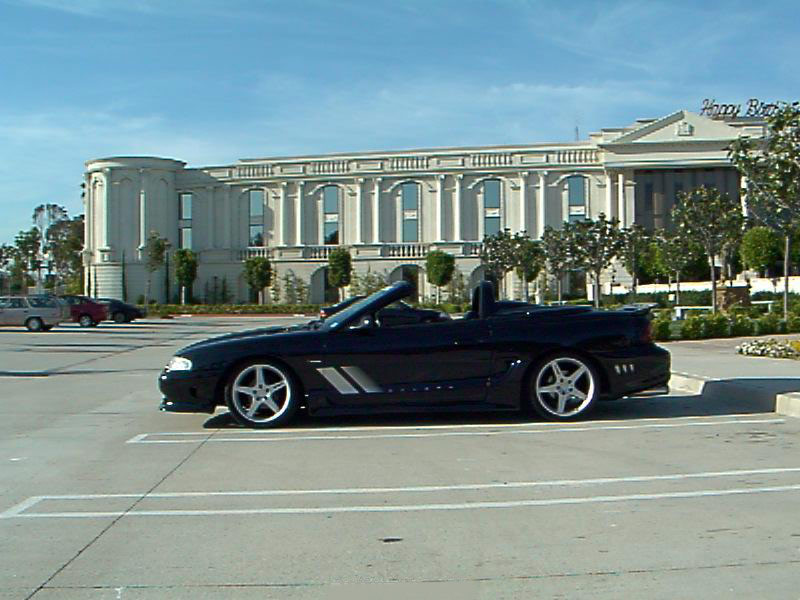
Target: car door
[431, 363]
[16, 312]
[5, 305]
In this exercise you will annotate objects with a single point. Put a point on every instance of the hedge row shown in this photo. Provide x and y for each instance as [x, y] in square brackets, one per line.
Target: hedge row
[231, 309]
[700, 327]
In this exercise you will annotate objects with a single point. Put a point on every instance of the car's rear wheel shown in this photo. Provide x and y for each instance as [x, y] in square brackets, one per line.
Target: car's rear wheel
[563, 387]
[261, 394]
[119, 317]
[85, 321]
[34, 324]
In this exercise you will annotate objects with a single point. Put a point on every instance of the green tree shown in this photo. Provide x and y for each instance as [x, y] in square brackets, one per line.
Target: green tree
[155, 249]
[258, 274]
[674, 254]
[761, 248]
[497, 254]
[28, 246]
[635, 245]
[185, 272]
[439, 268]
[529, 262]
[598, 243]
[558, 251]
[340, 269]
[712, 220]
[65, 247]
[771, 167]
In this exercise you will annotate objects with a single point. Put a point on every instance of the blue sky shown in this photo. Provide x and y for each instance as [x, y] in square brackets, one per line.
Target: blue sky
[212, 81]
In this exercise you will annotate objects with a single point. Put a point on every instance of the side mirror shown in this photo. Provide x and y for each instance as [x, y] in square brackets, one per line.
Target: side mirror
[366, 322]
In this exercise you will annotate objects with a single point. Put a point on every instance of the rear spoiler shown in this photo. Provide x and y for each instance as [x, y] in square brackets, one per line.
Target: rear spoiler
[639, 308]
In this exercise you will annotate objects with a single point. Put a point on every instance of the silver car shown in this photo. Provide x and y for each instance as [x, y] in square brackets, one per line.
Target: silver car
[37, 313]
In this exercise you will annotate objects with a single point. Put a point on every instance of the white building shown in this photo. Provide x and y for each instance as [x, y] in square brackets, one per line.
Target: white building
[389, 208]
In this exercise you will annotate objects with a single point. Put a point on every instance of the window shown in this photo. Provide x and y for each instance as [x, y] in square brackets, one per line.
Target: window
[256, 237]
[185, 240]
[185, 200]
[491, 207]
[330, 214]
[256, 203]
[648, 197]
[409, 193]
[256, 221]
[576, 198]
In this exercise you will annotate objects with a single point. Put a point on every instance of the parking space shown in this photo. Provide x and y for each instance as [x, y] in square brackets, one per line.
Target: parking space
[102, 496]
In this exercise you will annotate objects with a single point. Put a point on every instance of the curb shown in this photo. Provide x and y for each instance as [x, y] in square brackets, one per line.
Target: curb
[787, 404]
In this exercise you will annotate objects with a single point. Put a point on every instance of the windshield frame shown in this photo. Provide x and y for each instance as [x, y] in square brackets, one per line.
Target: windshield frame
[370, 304]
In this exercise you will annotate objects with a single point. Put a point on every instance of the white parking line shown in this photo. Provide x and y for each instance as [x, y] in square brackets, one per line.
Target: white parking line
[19, 510]
[473, 430]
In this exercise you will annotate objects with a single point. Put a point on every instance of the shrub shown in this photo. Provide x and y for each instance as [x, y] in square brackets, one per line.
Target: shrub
[742, 326]
[717, 326]
[770, 348]
[693, 328]
[793, 325]
[768, 324]
[661, 329]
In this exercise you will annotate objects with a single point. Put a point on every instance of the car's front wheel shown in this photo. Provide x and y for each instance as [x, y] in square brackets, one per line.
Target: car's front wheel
[563, 387]
[85, 321]
[261, 394]
[119, 317]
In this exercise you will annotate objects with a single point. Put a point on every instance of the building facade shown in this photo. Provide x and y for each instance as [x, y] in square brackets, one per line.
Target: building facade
[389, 208]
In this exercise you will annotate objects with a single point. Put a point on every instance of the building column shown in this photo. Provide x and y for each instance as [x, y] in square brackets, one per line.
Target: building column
[540, 204]
[142, 210]
[623, 214]
[298, 212]
[212, 231]
[610, 212]
[359, 210]
[226, 218]
[283, 226]
[376, 213]
[106, 222]
[440, 233]
[457, 209]
[743, 185]
[523, 201]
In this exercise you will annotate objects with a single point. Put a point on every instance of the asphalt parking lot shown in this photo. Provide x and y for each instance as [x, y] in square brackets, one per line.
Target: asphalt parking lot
[102, 496]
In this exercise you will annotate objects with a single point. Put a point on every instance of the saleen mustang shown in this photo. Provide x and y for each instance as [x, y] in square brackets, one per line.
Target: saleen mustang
[500, 356]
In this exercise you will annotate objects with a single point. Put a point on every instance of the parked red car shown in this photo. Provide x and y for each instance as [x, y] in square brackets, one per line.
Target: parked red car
[85, 311]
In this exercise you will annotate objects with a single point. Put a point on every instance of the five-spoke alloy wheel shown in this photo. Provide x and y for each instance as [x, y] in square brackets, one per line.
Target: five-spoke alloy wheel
[563, 387]
[261, 395]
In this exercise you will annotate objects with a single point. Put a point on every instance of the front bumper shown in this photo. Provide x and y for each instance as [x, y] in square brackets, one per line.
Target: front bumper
[187, 391]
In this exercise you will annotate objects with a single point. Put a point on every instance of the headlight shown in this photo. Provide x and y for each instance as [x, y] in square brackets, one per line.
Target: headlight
[179, 363]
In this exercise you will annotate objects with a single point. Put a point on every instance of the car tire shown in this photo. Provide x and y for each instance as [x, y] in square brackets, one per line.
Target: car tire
[34, 324]
[261, 394]
[119, 317]
[85, 321]
[563, 387]
[47, 327]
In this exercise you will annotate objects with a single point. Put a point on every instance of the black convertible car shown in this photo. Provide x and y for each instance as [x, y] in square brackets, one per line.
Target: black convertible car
[500, 356]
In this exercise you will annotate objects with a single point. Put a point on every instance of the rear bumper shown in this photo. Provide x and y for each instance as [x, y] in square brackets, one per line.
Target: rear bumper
[637, 370]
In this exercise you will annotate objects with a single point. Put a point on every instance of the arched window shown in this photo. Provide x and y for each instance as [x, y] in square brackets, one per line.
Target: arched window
[409, 193]
[330, 215]
[576, 198]
[491, 207]
[256, 222]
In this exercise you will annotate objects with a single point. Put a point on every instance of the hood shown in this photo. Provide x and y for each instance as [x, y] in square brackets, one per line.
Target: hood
[250, 334]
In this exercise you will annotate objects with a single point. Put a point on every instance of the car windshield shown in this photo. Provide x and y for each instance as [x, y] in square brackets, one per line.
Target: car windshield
[345, 315]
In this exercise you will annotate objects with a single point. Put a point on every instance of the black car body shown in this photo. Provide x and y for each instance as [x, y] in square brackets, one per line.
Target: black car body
[121, 312]
[500, 356]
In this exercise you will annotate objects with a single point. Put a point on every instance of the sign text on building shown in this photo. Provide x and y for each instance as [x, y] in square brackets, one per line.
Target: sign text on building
[753, 108]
